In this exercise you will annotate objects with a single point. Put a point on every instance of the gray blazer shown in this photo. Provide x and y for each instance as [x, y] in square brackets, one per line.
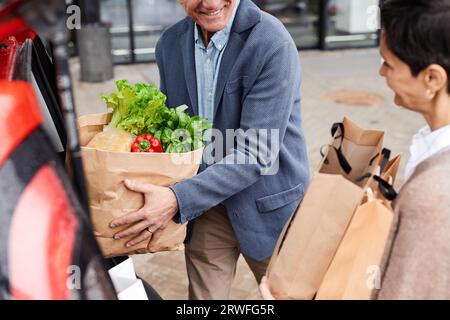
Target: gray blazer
[258, 88]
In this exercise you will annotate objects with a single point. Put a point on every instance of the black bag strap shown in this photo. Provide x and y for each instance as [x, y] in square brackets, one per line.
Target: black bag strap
[386, 189]
[340, 155]
[335, 127]
[386, 156]
[386, 153]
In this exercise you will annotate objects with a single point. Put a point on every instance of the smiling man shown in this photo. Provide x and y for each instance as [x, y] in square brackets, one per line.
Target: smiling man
[238, 67]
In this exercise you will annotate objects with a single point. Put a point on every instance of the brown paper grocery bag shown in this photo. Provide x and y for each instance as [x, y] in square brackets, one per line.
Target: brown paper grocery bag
[109, 198]
[355, 269]
[352, 274]
[310, 239]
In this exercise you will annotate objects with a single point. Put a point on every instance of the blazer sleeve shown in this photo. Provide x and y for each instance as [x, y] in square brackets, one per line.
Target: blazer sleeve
[268, 105]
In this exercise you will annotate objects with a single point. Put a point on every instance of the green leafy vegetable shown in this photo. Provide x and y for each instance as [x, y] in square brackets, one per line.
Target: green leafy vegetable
[141, 109]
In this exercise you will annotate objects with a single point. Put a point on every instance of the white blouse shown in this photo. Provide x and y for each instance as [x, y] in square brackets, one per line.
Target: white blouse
[425, 144]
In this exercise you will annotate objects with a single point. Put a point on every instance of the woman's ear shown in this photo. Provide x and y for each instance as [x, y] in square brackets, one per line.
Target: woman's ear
[435, 78]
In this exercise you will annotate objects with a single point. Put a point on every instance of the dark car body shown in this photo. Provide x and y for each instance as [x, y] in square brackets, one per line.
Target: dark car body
[47, 247]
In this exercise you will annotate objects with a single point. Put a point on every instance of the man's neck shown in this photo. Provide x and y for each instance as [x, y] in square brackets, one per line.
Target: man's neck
[206, 37]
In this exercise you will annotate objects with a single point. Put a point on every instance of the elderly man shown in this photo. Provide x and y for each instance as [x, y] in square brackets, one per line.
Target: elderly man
[238, 67]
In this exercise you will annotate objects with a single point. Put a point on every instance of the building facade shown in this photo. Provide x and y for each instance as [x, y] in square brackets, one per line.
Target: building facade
[314, 24]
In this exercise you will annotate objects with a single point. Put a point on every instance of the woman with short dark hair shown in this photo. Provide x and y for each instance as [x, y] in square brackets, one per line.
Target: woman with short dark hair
[415, 45]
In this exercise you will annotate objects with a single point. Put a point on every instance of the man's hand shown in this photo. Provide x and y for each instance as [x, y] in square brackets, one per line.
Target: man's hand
[159, 208]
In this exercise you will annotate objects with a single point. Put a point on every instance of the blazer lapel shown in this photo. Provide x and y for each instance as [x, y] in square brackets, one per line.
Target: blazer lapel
[247, 16]
[187, 44]
[230, 55]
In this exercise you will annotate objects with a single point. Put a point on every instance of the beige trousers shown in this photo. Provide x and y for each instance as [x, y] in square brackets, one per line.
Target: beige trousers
[211, 257]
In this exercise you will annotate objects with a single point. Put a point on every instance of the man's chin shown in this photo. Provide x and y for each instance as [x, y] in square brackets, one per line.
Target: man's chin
[212, 27]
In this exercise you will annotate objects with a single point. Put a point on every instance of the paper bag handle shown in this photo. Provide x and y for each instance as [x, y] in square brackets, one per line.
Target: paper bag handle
[386, 189]
[386, 153]
[340, 155]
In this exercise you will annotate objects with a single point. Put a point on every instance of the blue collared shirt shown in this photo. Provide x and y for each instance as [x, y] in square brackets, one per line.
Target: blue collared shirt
[207, 65]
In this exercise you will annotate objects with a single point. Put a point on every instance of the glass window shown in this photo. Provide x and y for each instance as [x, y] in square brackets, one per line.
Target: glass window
[301, 18]
[115, 13]
[150, 18]
[351, 23]
[327, 24]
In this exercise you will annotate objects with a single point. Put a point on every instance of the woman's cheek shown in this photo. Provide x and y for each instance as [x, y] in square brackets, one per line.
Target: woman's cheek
[391, 84]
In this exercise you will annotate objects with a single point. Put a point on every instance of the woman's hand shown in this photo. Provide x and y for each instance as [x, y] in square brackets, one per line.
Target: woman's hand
[147, 223]
[264, 289]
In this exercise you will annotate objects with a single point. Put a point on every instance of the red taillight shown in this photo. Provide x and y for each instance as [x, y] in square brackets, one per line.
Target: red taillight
[20, 115]
[8, 55]
[16, 27]
[42, 239]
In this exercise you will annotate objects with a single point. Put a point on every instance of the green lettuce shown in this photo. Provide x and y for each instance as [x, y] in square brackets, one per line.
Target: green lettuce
[132, 105]
[142, 109]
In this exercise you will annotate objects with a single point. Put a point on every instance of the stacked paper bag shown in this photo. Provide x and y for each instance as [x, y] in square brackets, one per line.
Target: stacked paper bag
[354, 273]
[310, 240]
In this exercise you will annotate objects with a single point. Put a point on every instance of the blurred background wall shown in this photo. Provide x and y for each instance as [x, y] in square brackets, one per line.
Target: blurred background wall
[135, 25]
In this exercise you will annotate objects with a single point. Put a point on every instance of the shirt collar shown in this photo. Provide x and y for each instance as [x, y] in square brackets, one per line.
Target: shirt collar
[432, 140]
[220, 38]
[425, 144]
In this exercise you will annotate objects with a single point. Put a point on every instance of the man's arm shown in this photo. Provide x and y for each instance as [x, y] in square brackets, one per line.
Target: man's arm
[267, 106]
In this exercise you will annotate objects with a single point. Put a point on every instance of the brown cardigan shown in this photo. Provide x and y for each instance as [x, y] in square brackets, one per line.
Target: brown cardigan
[416, 264]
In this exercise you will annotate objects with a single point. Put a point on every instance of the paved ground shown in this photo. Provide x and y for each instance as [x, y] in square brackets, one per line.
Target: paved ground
[323, 73]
